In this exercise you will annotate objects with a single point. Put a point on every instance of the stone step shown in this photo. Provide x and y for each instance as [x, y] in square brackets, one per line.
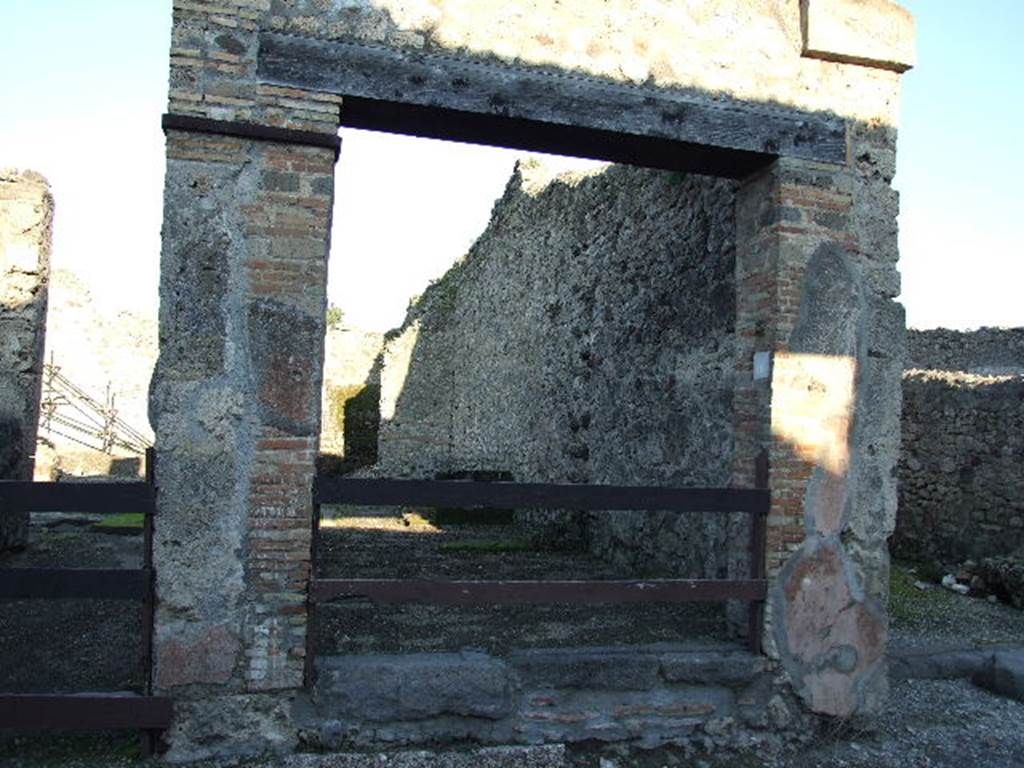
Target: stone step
[652, 694]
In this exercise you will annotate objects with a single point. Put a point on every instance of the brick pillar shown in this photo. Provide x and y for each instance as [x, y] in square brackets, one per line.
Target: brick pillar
[807, 313]
[26, 220]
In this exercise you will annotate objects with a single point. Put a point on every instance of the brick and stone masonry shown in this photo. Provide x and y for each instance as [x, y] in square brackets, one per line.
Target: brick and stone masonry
[26, 221]
[235, 397]
[817, 276]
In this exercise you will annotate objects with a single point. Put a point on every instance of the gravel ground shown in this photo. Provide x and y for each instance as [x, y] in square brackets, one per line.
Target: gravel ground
[50, 646]
[928, 616]
[926, 724]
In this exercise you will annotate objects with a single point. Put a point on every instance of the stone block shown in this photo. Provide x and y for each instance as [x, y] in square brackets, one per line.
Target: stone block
[230, 726]
[583, 668]
[1004, 674]
[414, 687]
[728, 668]
[649, 717]
[195, 655]
[287, 383]
[875, 33]
[938, 664]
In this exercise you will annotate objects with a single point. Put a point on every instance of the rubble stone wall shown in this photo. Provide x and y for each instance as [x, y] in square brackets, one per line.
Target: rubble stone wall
[961, 485]
[586, 338]
[984, 352]
[26, 221]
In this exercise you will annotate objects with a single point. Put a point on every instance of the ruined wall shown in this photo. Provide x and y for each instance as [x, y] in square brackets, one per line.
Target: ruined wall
[586, 338]
[26, 221]
[351, 396]
[96, 347]
[984, 352]
[961, 485]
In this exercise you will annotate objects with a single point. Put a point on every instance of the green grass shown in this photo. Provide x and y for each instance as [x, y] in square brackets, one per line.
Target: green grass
[132, 520]
[488, 546]
[910, 605]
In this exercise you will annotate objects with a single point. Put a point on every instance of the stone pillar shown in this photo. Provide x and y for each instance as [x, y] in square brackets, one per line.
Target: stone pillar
[814, 312]
[26, 221]
[235, 397]
[235, 403]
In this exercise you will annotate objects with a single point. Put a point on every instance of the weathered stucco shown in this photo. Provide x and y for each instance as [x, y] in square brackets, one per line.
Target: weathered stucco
[26, 221]
[743, 49]
[719, 84]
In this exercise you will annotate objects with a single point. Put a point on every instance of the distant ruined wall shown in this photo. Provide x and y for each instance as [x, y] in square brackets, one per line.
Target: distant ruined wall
[351, 395]
[96, 346]
[26, 221]
[961, 484]
[985, 352]
[586, 338]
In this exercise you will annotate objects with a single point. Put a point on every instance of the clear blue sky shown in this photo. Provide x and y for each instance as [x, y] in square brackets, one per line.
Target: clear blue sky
[83, 85]
[960, 165]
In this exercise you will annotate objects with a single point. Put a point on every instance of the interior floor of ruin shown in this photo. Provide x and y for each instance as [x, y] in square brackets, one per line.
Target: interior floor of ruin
[398, 544]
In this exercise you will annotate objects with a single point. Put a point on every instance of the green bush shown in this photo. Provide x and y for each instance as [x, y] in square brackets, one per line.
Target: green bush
[335, 316]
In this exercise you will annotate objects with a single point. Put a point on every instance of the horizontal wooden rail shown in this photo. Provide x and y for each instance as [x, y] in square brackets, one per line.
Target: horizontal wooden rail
[86, 711]
[74, 584]
[96, 498]
[537, 592]
[465, 494]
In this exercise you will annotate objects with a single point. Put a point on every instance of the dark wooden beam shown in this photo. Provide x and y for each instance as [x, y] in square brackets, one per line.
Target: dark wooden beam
[74, 583]
[457, 97]
[552, 138]
[254, 131]
[84, 711]
[96, 498]
[473, 495]
[536, 592]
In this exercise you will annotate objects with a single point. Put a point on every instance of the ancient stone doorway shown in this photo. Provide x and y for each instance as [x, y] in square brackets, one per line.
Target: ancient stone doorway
[803, 117]
[590, 345]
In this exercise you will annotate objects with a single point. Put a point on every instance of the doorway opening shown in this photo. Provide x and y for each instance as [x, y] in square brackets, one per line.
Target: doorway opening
[582, 333]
